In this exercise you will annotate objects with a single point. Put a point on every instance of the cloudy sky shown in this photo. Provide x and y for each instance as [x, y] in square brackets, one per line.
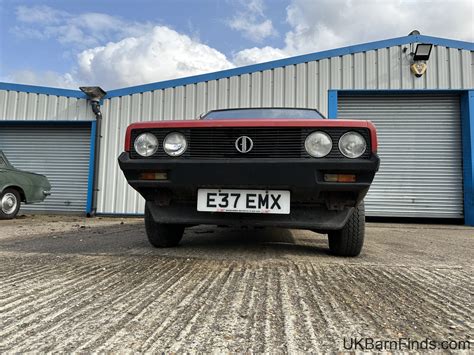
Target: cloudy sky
[119, 43]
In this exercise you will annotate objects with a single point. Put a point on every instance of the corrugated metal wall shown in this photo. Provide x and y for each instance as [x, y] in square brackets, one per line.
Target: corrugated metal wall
[420, 150]
[301, 85]
[17, 106]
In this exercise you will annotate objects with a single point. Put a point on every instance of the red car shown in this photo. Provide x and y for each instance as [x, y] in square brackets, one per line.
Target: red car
[276, 167]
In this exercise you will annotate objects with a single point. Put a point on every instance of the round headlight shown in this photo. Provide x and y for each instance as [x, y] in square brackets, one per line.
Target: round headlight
[352, 145]
[175, 144]
[146, 144]
[318, 144]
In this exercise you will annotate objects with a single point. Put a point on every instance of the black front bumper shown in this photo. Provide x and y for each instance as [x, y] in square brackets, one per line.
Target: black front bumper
[315, 204]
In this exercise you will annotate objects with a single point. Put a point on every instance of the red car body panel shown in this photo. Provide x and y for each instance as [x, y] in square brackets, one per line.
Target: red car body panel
[281, 122]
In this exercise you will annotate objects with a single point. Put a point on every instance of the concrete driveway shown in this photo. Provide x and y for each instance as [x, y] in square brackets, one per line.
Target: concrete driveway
[76, 284]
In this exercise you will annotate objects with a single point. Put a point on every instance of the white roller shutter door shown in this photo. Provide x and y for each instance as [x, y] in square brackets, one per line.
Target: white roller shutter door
[59, 152]
[421, 153]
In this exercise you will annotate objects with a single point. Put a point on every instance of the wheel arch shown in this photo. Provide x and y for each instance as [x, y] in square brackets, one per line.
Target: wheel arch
[17, 188]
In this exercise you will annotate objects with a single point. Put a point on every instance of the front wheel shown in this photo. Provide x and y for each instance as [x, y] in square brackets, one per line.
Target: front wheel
[9, 203]
[349, 240]
[162, 235]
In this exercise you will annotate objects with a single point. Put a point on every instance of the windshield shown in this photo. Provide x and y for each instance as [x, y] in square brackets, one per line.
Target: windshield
[263, 113]
[4, 161]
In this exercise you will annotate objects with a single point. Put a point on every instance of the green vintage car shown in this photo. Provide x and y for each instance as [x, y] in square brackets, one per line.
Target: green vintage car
[18, 186]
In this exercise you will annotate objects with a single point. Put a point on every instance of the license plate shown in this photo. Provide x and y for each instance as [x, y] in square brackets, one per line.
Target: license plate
[244, 201]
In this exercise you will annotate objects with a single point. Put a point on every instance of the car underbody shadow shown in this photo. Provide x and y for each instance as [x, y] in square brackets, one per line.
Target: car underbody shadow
[207, 242]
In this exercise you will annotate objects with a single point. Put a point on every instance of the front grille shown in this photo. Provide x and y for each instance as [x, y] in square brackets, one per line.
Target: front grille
[268, 142]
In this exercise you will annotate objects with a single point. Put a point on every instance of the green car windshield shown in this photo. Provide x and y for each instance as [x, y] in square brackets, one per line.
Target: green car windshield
[4, 163]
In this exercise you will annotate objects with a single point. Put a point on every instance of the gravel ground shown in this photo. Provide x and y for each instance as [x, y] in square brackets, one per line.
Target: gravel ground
[76, 284]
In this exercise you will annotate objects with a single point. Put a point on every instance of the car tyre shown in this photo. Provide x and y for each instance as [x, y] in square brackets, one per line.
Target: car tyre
[9, 203]
[162, 235]
[349, 240]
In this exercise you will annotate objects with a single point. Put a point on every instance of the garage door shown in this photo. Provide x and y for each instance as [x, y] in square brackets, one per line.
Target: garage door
[420, 150]
[59, 152]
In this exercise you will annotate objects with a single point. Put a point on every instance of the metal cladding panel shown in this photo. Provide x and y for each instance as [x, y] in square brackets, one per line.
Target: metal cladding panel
[114, 192]
[256, 90]
[245, 86]
[18, 106]
[222, 93]
[304, 84]
[278, 87]
[234, 84]
[420, 150]
[289, 87]
[200, 95]
[190, 103]
[267, 77]
[59, 152]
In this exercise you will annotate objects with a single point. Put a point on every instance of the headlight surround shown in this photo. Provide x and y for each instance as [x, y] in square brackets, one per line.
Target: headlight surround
[352, 144]
[318, 144]
[175, 144]
[146, 144]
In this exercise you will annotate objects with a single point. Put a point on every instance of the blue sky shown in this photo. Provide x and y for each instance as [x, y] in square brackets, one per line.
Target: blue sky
[117, 43]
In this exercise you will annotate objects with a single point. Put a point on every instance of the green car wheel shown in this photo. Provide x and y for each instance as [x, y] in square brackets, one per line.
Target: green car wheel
[9, 204]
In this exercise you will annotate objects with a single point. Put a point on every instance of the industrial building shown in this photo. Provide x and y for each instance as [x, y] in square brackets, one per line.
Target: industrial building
[423, 109]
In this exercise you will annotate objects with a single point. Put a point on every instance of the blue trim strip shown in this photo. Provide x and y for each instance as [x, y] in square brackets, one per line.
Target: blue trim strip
[467, 126]
[451, 43]
[467, 122]
[332, 104]
[90, 179]
[42, 90]
[291, 61]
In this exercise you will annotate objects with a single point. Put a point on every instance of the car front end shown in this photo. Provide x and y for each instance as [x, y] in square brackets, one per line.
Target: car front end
[294, 173]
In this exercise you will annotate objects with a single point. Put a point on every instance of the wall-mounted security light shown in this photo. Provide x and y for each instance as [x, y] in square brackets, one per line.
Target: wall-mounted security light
[95, 93]
[418, 56]
[422, 51]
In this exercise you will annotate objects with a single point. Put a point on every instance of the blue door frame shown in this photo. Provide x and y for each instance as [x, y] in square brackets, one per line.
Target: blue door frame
[92, 162]
[93, 126]
[467, 127]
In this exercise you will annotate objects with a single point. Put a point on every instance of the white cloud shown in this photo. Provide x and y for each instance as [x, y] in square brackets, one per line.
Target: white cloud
[257, 55]
[43, 78]
[327, 24]
[113, 52]
[158, 55]
[252, 22]
[40, 14]
[331, 23]
[80, 31]
[254, 6]
[256, 31]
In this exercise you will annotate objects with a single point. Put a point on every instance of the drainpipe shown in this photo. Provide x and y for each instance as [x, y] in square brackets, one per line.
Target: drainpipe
[95, 95]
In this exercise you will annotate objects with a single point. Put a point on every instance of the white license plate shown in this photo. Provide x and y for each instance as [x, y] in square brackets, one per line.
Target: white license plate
[244, 201]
